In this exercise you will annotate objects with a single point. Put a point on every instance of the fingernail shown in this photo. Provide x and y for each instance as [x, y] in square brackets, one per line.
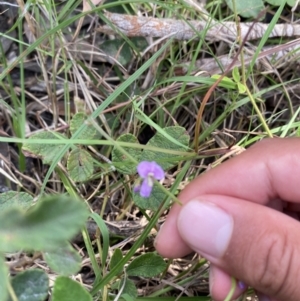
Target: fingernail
[206, 228]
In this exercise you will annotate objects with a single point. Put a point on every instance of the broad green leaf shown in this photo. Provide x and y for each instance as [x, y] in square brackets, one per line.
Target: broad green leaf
[242, 88]
[122, 163]
[11, 199]
[158, 140]
[236, 74]
[117, 50]
[3, 279]
[31, 285]
[146, 265]
[64, 260]
[115, 259]
[247, 8]
[89, 132]
[45, 226]
[66, 289]
[279, 2]
[129, 288]
[47, 152]
[80, 165]
[151, 203]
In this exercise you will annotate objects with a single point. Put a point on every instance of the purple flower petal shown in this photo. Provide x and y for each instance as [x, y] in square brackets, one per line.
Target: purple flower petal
[137, 188]
[146, 188]
[146, 169]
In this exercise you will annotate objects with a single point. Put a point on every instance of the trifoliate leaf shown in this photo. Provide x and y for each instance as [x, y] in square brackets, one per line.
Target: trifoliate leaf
[247, 8]
[151, 203]
[89, 132]
[31, 285]
[47, 152]
[66, 289]
[122, 162]
[128, 288]
[11, 199]
[64, 260]
[166, 160]
[146, 265]
[115, 259]
[45, 226]
[3, 280]
[80, 165]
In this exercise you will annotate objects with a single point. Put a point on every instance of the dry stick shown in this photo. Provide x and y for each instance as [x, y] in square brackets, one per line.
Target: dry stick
[211, 89]
[139, 26]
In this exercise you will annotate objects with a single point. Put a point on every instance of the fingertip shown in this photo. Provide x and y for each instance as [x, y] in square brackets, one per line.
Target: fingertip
[168, 242]
[220, 284]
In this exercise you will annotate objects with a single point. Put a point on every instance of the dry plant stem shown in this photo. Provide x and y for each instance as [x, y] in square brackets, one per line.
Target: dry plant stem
[137, 26]
[280, 54]
[211, 89]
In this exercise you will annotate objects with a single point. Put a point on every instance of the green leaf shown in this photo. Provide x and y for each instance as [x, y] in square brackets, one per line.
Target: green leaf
[290, 2]
[64, 261]
[117, 51]
[242, 88]
[80, 165]
[89, 132]
[66, 289]
[115, 259]
[226, 82]
[31, 285]
[151, 203]
[236, 74]
[146, 265]
[3, 280]
[158, 140]
[47, 152]
[123, 163]
[10, 199]
[128, 288]
[279, 2]
[46, 226]
[105, 235]
[247, 8]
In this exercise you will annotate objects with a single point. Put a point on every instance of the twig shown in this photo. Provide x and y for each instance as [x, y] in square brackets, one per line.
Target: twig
[135, 26]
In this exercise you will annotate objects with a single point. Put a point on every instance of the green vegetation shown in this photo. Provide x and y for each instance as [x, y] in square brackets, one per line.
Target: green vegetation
[85, 100]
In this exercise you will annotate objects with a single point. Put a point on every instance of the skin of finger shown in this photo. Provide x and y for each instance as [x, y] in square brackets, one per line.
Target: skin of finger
[220, 284]
[269, 170]
[264, 249]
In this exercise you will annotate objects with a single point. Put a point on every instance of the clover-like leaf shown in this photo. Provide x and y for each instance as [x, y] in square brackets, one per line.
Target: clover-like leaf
[3, 280]
[247, 8]
[166, 160]
[121, 161]
[63, 260]
[128, 288]
[18, 199]
[45, 226]
[279, 2]
[47, 152]
[31, 285]
[115, 259]
[66, 289]
[117, 50]
[153, 201]
[146, 265]
[89, 132]
[80, 165]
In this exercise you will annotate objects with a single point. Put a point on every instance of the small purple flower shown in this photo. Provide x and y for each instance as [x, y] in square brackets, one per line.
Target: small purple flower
[148, 171]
